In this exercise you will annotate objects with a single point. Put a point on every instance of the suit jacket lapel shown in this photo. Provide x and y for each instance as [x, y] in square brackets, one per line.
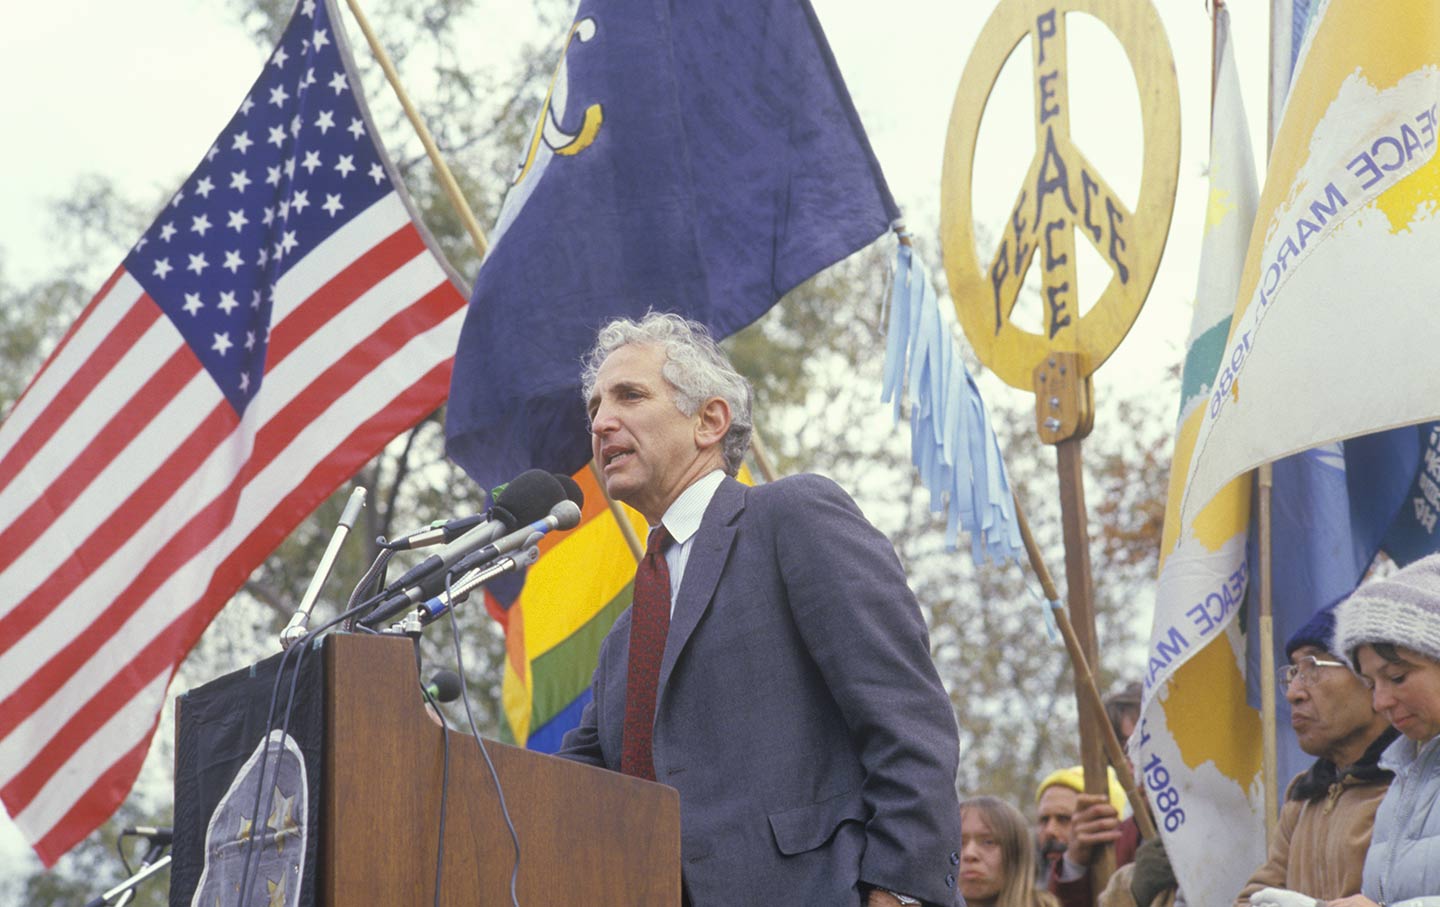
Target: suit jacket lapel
[702, 570]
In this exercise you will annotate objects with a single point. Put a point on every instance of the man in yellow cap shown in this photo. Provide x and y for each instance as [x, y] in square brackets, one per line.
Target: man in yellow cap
[1066, 860]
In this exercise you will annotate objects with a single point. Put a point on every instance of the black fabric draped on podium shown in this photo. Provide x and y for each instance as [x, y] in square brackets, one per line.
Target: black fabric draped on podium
[248, 792]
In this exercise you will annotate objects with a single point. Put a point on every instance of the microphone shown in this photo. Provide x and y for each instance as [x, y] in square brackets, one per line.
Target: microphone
[300, 621]
[572, 489]
[479, 567]
[564, 515]
[527, 497]
[159, 837]
[436, 533]
[444, 686]
[460, 590]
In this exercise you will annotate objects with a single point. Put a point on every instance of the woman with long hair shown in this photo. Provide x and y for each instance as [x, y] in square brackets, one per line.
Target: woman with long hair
[997, 860]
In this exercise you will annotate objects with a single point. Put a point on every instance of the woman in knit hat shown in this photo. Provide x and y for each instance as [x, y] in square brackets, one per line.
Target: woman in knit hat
[1390, 631]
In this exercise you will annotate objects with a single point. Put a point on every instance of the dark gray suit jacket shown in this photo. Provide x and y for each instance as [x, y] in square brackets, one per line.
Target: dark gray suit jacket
[799, 714]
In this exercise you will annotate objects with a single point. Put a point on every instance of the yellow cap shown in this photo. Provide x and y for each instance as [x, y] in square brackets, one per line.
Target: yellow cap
[1074, 778]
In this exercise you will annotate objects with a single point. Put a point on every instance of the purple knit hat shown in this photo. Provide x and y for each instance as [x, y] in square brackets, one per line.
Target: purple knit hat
[1319, 631]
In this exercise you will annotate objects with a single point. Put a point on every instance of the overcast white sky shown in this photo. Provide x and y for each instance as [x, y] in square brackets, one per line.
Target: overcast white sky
[137, 91]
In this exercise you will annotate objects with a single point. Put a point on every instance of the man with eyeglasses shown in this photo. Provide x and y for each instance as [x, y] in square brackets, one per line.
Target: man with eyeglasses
[1324, 830]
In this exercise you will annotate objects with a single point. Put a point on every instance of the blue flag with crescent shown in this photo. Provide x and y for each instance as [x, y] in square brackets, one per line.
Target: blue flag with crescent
[700, 157]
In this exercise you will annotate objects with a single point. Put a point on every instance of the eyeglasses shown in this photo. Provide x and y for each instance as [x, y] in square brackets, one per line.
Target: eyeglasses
[1307, 671]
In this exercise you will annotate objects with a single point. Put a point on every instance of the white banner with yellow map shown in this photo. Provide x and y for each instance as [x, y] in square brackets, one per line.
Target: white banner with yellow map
[1198, 744]
[1322, 346]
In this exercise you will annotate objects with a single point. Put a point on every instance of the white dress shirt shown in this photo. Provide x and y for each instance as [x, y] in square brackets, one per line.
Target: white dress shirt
[682, 521]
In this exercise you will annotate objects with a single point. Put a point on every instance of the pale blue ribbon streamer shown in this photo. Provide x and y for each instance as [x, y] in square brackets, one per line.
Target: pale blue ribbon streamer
[953, 445]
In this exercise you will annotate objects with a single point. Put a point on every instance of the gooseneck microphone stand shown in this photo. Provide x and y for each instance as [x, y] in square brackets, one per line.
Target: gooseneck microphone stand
[153, 863]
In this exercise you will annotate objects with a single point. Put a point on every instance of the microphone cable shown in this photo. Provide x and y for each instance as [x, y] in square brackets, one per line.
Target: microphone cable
[251, 854]
[444, 785]
[376, 571]
[475, 732]
[374, 578]
[120, 849]
[299, 649]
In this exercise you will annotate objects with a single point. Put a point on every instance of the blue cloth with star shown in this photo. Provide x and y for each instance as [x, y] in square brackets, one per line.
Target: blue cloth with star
[700, 157]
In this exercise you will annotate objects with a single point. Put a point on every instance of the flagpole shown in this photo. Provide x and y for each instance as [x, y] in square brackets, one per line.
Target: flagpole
[1089, 689]
[621, 518]
[1264, 480]
[1281, 46]
[762, 456]
[1268, 704]
[1214, 62]
[447, 179]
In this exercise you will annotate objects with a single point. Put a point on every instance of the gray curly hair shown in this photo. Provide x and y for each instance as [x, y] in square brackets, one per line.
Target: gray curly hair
[694, 365]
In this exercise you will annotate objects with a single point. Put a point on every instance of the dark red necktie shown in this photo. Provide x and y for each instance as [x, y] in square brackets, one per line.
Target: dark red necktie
[649, 625]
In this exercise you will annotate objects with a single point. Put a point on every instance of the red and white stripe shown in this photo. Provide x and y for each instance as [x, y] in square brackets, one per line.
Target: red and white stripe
[140, 502]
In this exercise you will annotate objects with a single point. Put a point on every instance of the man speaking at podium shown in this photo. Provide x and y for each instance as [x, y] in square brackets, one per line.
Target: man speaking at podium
[774, 667]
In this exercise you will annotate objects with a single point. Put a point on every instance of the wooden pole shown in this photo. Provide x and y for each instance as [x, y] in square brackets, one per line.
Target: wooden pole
[1080, 595]
[1265, 480]
[1064, 415]
[1269, 752]
[622, 519]
[1088, 686]
[447, 179]
[762, 457]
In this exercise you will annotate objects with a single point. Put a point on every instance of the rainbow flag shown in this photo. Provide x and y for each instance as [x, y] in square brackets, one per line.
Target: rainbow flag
[555, 624]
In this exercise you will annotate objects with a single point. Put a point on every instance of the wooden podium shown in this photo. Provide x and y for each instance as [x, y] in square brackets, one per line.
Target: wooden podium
[587, 836]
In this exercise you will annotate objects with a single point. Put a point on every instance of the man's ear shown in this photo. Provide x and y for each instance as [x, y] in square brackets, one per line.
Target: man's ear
[712, 421]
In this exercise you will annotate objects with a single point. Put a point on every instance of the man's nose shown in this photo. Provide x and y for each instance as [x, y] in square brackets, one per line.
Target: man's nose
[602, 422]
[1294, 692]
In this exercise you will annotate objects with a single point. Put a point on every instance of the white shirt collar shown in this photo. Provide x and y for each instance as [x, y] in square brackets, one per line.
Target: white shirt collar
[682, 520]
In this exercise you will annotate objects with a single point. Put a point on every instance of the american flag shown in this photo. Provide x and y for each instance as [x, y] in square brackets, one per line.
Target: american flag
[281, 320]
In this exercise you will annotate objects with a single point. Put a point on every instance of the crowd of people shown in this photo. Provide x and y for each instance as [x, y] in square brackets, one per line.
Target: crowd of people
[1359, 828]
[775, 670]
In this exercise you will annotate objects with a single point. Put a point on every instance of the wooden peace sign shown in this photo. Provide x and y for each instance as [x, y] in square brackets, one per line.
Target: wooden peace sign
[1062, 192]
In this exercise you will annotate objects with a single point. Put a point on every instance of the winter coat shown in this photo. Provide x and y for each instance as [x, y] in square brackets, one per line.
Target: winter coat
[1404, 858]
[1324, 829]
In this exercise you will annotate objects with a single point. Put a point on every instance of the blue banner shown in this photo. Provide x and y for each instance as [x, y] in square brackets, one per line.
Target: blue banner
[700, 157]
[1332, 510]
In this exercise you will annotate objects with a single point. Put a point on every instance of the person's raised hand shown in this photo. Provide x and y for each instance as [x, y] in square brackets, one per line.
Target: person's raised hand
[1095, 824]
